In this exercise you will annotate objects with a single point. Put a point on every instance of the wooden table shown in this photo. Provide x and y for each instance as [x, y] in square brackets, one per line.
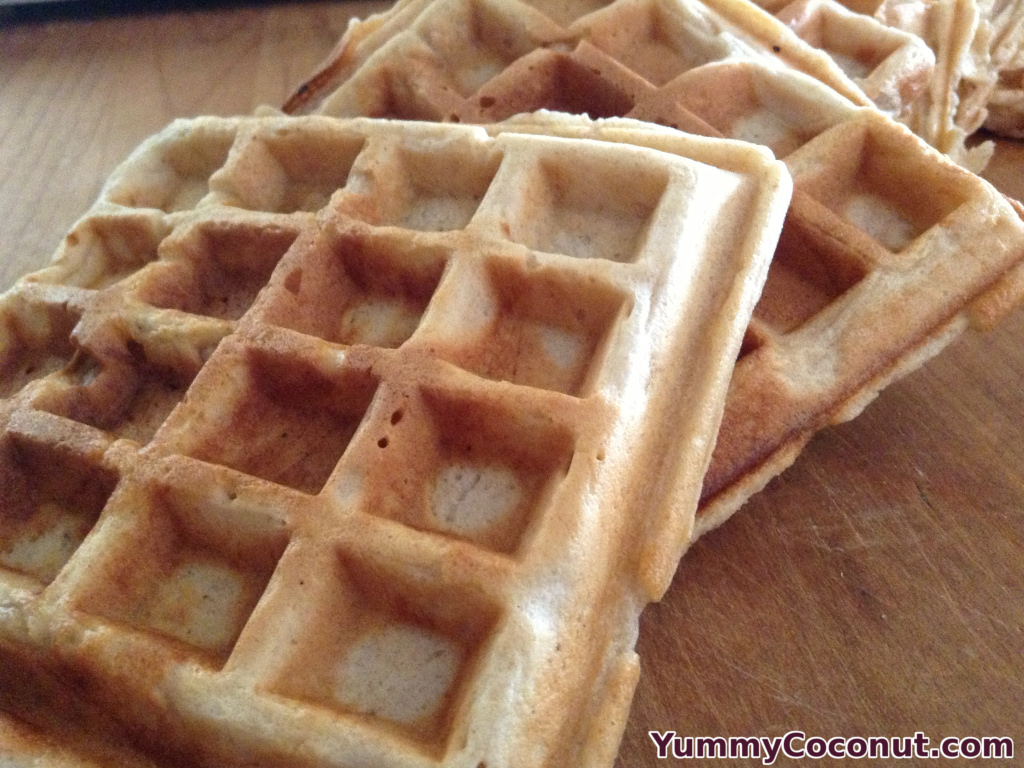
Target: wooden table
[877, 587]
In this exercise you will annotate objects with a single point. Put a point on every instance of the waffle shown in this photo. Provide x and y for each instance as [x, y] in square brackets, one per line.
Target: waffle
[425, 52]
[335, 443]
[942, 68]
[882, 62]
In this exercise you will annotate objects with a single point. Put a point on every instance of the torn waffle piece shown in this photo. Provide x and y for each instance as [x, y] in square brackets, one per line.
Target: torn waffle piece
[333, 443]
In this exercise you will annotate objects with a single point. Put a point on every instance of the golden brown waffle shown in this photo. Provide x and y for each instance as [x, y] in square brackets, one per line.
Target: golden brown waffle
[942, 68]
[423, 55]
[887, 252]
[386, 484]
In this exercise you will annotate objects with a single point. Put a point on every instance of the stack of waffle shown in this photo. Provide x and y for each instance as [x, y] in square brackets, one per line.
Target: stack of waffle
[942, 68]
[889, 250]
[345, 441]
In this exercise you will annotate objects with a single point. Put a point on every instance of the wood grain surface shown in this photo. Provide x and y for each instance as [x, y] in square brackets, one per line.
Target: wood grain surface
[877, 587]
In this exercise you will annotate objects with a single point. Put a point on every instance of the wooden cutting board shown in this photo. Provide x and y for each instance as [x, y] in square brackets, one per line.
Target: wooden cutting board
[876, 588]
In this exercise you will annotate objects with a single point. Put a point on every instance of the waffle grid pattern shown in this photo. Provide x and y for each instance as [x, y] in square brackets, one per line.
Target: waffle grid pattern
[322, 462]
